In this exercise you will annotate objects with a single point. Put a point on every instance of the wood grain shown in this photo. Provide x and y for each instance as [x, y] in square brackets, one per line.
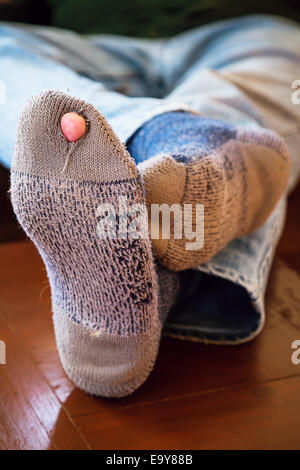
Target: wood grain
[257, 417]
[197, 397]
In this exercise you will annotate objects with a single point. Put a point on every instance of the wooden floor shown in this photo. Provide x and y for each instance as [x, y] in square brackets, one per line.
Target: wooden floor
[198, 397]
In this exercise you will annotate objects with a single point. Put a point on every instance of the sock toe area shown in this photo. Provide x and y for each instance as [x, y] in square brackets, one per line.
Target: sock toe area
[42, 149]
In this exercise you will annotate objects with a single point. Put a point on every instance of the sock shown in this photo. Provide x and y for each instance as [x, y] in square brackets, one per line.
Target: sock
[108, 309]
[238, 175]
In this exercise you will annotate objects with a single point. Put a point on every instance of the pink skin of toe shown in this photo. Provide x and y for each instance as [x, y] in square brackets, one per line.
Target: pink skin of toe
[73, 126]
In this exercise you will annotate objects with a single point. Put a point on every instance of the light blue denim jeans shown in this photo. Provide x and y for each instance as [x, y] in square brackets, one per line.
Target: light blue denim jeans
[240, 71]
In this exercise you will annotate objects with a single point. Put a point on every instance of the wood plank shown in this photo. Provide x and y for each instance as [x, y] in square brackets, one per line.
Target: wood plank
[289, 246]
[190, 373]
[20, 428]
[28, 399]
[182, 367]
[259, 417]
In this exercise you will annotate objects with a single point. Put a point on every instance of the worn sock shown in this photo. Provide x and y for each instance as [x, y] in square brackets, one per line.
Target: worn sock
[108, 309]
[238, 175]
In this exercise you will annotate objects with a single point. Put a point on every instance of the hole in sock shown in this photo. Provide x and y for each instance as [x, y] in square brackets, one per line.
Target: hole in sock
[73, 126]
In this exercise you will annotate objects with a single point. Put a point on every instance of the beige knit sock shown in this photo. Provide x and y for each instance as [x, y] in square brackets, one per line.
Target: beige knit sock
[108, 310]
[238, 183]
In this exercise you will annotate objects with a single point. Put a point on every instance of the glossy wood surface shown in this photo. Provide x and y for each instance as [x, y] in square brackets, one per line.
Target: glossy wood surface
[198, 397]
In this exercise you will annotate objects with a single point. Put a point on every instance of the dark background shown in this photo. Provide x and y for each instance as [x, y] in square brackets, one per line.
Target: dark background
[151, 18]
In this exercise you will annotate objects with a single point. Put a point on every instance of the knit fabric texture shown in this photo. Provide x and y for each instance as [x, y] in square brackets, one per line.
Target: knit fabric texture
[82, 270]
[237, 174]
[183, 135]
[105, 295]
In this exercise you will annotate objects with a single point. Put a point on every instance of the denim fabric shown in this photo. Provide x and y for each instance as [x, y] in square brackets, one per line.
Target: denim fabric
[239, 71]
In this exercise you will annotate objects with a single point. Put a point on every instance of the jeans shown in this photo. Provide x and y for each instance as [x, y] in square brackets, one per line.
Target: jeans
[240, 71]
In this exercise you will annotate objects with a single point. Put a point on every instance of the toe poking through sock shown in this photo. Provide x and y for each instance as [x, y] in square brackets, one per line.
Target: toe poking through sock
[73, 126]
[59, 135]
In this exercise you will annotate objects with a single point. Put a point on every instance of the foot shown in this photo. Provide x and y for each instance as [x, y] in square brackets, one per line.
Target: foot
[238, 175]
[107, 310]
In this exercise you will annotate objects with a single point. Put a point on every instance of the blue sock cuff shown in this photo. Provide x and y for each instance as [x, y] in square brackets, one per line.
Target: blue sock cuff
[183, 135]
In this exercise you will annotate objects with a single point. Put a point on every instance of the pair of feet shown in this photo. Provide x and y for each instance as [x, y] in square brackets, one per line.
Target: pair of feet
[111, 295]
